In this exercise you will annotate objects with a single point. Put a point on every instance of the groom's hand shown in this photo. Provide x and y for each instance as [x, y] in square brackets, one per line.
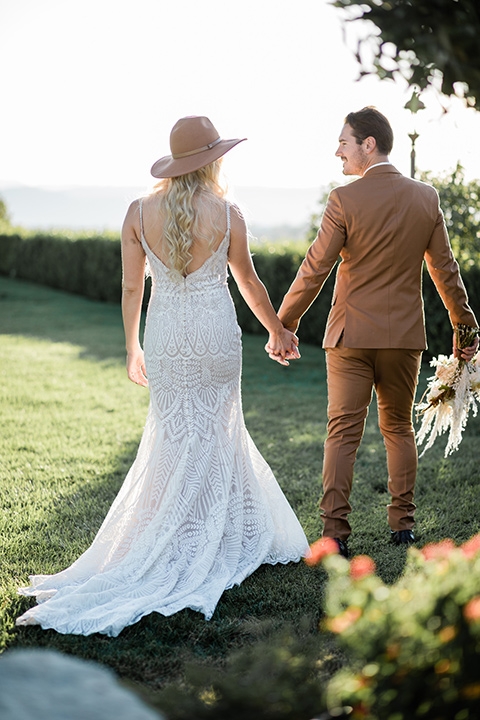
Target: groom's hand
[288, 356]
[464, 353]
[290, 343]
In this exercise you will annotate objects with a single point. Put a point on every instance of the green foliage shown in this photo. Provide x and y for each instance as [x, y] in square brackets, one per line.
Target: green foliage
[5, 223]
[281, 678]
[316, 217]
[89, 266]
[4, 216]
[432, 39]
[414, 646]
[460, 201]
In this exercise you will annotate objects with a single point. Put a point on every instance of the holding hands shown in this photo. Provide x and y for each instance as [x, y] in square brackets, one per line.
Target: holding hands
[282, 346]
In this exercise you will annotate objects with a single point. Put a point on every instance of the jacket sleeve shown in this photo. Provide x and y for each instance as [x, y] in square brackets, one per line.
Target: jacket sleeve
[445, 273]
[317, 265]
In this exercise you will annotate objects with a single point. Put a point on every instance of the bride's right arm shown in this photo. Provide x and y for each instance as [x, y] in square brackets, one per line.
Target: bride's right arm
[281, 341]
[133, 282]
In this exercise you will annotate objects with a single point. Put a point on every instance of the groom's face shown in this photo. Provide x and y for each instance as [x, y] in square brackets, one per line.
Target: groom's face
[353, 155]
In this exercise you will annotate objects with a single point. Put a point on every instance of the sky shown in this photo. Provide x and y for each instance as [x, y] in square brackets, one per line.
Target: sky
[92, 89]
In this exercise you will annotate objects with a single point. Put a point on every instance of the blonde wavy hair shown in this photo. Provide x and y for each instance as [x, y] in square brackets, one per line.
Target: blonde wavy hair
[192, 206]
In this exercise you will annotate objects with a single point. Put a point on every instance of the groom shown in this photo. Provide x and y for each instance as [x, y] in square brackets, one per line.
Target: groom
[382, 226]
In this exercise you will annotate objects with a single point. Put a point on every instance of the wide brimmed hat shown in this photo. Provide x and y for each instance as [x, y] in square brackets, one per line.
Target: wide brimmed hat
[194, 143]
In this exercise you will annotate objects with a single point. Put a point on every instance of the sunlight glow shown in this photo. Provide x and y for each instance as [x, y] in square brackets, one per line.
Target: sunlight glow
[94, 88]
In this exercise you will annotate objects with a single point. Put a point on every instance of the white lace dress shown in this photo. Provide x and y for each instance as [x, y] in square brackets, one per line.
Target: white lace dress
[200, 509]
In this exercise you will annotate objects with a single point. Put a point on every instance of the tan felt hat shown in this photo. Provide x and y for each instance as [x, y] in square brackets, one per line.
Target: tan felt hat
[194, 143]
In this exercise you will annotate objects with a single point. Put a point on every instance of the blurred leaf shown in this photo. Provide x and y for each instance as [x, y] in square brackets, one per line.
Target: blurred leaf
[415, 104]
[429, 36]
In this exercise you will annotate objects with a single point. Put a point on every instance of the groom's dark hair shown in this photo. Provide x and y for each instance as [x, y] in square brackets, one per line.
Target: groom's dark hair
[369, 122]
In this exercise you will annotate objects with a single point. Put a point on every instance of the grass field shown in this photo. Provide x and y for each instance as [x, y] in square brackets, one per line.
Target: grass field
[70, 424]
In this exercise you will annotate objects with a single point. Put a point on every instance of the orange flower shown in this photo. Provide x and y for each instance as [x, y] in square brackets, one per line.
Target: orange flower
[471, 611]
[472, 691]
[320, 549]
[471, 547]
[447, 633]
[344, 620]
[437, 551]
[361, 566]
[442, 666]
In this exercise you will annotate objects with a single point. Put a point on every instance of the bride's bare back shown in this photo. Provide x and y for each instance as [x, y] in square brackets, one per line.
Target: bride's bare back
[201, 248]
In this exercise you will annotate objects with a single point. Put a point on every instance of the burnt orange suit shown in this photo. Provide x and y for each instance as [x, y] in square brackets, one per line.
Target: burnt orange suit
[382, 226]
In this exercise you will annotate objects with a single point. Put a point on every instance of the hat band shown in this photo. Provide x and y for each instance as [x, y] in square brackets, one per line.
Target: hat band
[176, 156]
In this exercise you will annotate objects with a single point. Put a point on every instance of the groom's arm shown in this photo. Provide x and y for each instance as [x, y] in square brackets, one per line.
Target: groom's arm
[317, 265]
[445, 273]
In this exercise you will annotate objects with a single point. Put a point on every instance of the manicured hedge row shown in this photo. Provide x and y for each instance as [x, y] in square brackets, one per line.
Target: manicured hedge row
[91, 266]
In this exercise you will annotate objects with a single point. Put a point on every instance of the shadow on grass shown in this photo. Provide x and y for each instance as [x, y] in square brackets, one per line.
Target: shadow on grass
[156, 649]
[36, 311]
[152, 650]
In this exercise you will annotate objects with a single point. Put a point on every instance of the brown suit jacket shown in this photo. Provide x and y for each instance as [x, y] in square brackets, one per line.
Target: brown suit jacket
[383, 226]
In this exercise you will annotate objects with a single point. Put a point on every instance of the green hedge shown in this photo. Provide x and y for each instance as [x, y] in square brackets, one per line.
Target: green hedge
[91, 265]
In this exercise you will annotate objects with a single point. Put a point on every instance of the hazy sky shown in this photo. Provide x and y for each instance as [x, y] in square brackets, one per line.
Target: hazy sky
[91, 89]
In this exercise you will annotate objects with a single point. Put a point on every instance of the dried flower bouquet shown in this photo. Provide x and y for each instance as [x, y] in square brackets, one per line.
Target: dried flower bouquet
[450, 395]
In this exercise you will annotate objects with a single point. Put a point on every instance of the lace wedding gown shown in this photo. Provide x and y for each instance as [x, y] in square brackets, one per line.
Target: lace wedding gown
[200, 509]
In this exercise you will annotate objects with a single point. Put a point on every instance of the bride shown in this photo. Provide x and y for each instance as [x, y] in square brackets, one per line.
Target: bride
[200, 509]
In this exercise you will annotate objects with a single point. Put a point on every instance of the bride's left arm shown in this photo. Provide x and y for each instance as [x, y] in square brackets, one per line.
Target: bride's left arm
[133, 283]
[281, 342]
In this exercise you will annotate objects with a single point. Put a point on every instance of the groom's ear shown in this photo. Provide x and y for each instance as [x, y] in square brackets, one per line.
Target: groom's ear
[370, 144]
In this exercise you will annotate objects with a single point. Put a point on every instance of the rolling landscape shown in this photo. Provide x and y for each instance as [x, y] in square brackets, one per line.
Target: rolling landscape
[272, 212]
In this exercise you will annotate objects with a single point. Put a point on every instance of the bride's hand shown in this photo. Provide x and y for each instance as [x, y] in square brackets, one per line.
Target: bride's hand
[282, 346]
[136, 368]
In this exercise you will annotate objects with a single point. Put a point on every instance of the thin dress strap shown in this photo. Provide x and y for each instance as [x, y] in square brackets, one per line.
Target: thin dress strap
[228, 217]
[141, 216]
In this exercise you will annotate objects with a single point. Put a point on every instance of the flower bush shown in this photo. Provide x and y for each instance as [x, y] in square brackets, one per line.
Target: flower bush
[414, 646]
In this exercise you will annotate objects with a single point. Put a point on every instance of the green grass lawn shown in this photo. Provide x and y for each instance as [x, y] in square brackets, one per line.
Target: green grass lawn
[70, 425]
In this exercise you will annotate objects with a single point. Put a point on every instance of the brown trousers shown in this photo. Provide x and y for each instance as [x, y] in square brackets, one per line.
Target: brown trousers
[351, 375]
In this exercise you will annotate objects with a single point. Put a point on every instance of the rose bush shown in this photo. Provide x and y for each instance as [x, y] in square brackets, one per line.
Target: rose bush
[414, 646]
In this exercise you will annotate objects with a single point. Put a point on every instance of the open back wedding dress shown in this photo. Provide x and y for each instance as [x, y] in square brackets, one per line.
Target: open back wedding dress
[200, 509]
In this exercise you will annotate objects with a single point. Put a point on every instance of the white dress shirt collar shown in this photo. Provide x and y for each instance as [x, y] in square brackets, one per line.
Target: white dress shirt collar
[385, 162]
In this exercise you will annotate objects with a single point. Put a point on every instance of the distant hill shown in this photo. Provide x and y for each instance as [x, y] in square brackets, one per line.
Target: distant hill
[273, 212]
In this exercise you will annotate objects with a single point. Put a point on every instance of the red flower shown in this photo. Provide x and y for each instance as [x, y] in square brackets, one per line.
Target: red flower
[471, 547]
[361, 566]
[437, 551]
[320, 549]
[471, 611]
